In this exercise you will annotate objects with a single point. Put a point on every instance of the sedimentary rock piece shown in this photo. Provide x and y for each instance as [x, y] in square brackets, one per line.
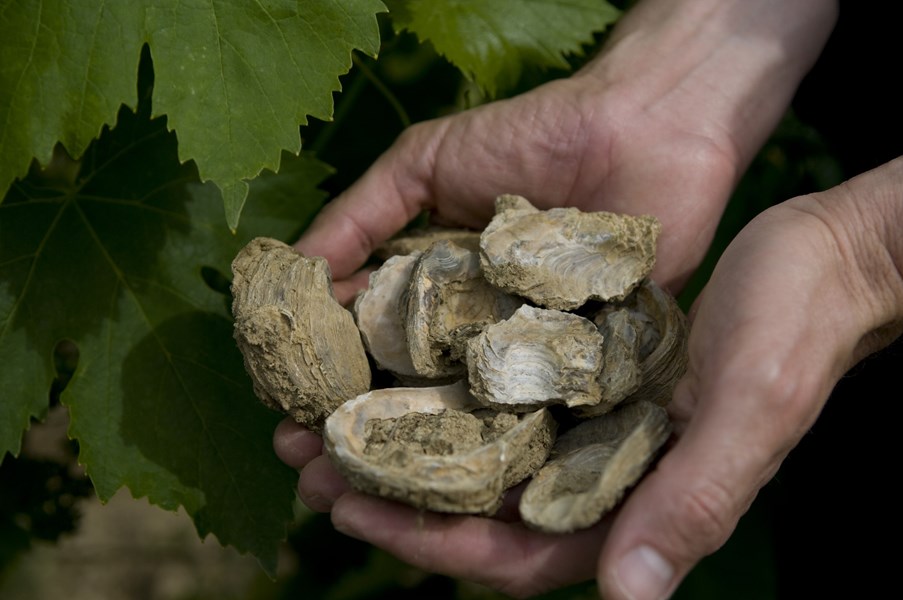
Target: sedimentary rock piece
[301, 348]
[563, 257]
[435, 448]
[544, 312]
[623, 373]
[418, 240]
[664, 332]
[664, 363]
[536, 358]
[448, 302]
[592, 466]
[378, 312]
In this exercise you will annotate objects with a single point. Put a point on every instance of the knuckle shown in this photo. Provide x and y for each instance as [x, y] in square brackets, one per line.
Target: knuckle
[703, 517]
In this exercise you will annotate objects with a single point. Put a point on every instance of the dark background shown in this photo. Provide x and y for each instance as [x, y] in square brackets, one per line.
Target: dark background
[835, 503]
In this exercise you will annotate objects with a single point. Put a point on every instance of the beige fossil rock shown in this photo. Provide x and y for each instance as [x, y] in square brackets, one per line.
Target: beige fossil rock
[563, 257]
[435, 448]
[592, 466]
[663, 356]
[378, 312]
[301, 348]
[536, 358]
[623, 374]
[553, 316]
[447, 302]
[663, 332]
[418, 240]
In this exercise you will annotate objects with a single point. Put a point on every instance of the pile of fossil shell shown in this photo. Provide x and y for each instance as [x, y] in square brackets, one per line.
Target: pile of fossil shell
[537, 350]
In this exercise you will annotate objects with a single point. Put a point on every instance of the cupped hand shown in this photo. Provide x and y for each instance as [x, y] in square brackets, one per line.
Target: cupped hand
[563, 144]
[661, 132]
[806, 290]
[566, 143]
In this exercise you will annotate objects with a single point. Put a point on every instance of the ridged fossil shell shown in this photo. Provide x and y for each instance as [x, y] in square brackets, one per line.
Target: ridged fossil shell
[563, 257]
[301, 348]
[536, 358]
[418, 240]
[622, 374]
[663, 332]
[663, 362]
[378, 312]
[592, 466]
[502, 322]
[449, 301]
[435, 448]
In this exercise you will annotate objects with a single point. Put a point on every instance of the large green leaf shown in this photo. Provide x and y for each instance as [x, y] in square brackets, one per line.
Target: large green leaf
[236, 79]
[112, 260]
[491, 41]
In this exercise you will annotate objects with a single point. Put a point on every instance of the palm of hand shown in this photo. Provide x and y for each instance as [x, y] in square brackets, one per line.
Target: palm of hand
[561, 146]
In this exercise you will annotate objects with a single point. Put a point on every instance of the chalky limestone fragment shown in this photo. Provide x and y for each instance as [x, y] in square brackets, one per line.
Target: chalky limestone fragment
[301, 348]
[563, 257]
[543, 329]
[592, 466]
[436, 447]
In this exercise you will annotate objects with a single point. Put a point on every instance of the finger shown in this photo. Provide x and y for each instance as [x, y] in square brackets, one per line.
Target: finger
[505, 556]
[509, 511]
[682, 511]
[295, 445]
[346, 290]
[394, 190]
[319, 484]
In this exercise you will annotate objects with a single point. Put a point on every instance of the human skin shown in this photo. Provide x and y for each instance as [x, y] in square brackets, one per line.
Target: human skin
[806, 290]
[663, 121]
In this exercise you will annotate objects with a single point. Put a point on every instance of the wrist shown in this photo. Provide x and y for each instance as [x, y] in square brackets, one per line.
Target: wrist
[724, 69]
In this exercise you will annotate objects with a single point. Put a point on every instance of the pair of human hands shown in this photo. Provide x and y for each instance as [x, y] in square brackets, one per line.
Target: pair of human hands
[804, 291]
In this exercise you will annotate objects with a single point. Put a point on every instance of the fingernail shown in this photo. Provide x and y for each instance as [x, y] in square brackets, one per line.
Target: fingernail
[642, 574]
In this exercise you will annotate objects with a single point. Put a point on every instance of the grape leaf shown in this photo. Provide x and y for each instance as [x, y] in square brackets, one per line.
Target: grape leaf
[236, 79]
[112, 259]
[491, 41]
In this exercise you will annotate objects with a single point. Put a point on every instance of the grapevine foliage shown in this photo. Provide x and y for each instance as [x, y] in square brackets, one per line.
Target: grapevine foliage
[491, 41]
[234, 78]
[112, 236]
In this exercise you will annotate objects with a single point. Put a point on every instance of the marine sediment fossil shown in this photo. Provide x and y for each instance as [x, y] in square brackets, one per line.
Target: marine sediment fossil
[418, 240]
[447, 302]
[301, 348]
[536, 358]
[379, 314]
[486, 337]
[436, 447]
[563, 257]
[592, 466]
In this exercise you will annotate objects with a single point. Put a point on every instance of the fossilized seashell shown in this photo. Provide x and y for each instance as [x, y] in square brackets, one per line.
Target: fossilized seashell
[536, 358]
[664, 333]
[435, 448]
[378, 314]
[563, 257]
[622, 374]
[666, 362]
[448, 302]
[592, 466]
[301, 348]
[418, 240]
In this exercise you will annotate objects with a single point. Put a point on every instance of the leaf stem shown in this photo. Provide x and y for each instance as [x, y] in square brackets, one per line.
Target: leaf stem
[383, 89]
